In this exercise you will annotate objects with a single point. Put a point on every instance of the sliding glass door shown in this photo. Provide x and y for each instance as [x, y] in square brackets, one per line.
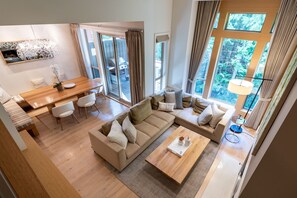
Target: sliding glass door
[116, 66]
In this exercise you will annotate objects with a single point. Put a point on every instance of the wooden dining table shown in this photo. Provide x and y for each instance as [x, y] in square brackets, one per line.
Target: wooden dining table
[47, 96]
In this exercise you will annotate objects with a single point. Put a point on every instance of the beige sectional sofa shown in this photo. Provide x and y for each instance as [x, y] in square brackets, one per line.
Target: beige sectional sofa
[149, 130]
[188, 118]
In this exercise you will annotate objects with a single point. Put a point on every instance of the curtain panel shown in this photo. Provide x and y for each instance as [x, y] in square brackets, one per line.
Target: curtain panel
[134, 39]
[283, 45]
[74, 28]
[205, 18]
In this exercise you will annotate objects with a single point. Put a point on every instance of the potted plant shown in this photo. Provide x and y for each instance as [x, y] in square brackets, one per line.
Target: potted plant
[58, 84]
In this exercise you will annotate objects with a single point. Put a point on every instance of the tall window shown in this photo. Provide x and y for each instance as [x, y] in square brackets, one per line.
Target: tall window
[92, 53]
[203, 68]
[161, 58]
[233, 61]
[258, 74]
[233, 50]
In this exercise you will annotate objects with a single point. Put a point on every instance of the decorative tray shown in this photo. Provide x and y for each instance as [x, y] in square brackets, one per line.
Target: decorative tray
[177, 149]
[69, 85]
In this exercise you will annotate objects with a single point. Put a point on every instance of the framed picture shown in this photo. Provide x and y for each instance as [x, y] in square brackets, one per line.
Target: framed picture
[27, 50]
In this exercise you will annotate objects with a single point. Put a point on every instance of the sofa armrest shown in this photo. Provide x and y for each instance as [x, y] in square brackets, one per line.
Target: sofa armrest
[111, 152]
[223, 125]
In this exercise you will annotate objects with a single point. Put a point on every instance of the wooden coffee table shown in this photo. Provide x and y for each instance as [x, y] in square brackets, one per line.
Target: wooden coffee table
[170, 164]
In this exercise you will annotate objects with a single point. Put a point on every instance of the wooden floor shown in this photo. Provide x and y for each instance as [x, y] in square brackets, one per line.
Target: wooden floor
[70, 150]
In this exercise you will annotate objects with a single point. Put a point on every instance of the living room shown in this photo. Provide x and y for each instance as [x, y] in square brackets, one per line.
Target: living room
[168, 33]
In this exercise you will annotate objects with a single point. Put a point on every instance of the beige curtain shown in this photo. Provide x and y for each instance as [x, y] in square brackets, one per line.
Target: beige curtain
[206, 14]
[134, 39]
[74, 28]
[283, 45]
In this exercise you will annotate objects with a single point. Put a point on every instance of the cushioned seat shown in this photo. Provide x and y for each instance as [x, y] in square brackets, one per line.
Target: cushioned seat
[192, 119]
[141, 138]
[147, 128]
[18, 116]
[131, 149]
[156, 121]
[163, 116]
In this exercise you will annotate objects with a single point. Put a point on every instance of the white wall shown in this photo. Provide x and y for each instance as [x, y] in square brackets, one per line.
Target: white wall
[155, 14]
[16, 78]
[183, 18]
[272, 172]
[273, 132]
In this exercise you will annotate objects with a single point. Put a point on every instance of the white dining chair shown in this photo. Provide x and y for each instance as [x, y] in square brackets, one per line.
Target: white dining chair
[100, 90]
[87, 101]
[63, 111]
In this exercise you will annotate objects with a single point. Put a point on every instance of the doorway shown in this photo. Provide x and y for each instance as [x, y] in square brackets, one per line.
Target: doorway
[116, 66]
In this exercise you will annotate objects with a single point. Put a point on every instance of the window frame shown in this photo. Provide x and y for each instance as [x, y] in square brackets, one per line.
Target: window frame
[164, 67]
[87, 51]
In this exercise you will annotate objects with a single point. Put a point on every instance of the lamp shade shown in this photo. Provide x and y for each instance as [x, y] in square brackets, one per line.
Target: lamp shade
[240, 87]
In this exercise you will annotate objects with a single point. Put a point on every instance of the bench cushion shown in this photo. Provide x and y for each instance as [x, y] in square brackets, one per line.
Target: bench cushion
[18, 116]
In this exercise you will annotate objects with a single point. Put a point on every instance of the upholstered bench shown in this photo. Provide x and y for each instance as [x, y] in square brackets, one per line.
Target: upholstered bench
[19, 117]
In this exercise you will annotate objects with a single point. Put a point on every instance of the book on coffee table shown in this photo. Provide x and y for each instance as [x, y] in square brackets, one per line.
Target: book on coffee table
[177, 149]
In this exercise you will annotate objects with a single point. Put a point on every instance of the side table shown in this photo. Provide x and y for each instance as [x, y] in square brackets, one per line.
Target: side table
[235, 128]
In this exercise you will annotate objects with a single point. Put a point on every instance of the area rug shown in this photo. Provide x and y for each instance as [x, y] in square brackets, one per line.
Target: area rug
[147, 181]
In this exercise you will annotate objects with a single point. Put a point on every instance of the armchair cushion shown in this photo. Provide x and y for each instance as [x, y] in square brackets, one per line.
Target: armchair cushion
[200, 104]
[116, 134]
[107, 126]
[205, 116]
[217, 115]
[141, 111]
[156, 99]
[129, 130]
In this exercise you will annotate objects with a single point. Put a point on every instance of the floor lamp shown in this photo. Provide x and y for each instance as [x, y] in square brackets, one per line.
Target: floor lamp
[241, 87]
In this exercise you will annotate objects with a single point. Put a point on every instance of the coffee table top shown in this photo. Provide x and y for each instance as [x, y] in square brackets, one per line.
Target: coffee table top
[170, 164]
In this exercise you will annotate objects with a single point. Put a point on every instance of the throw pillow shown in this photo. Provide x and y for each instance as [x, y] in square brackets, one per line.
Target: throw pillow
[200, 104]
[217, 115]
[129, 130]
[156, 99]
[170, 97]
[4, 96]
[179, 99]
[187, 100]
[116, 135]
[166, 106]
[205, 116]
[141, 111]
[107, 126]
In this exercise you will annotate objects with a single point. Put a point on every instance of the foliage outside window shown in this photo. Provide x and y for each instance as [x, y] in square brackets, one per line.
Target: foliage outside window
[258, 74]
[92, 53]
[216, 23]
[203, 68]
[234, 59]
[245, 22]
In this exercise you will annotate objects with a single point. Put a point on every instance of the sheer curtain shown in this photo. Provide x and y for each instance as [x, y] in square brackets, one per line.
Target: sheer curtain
[283, 45]
[74, 28]
[134, 39]
[205, 18]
